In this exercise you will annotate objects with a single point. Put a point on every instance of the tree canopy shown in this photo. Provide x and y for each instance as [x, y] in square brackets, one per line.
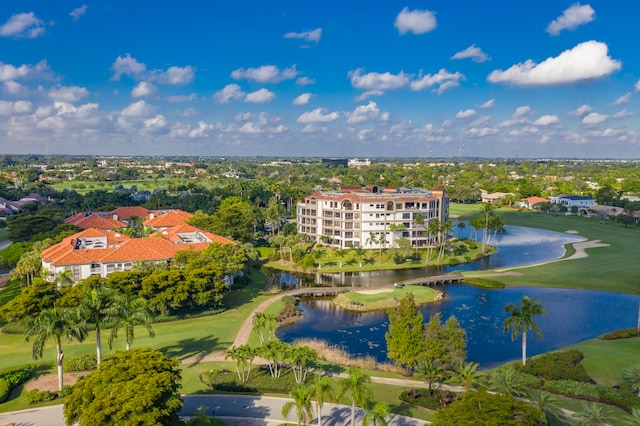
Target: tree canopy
[405, 340]
[135, 387]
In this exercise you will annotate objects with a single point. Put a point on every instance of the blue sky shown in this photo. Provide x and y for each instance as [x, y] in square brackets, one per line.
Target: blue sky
[333, 78]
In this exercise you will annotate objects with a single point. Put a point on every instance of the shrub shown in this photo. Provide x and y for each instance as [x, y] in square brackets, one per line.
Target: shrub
[16, 377]
[453, 261]
[81, 363]
[66, 390]
[289, 309]
[5, 388]
[36, 396]
[260, 380]
[620, 334]
[561, 365]
[573, 388]
[421, 397]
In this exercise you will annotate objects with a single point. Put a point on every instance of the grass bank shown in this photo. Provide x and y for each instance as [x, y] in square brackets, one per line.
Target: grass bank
[611, 268]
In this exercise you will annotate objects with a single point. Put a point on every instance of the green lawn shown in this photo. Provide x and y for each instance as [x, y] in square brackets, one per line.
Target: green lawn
[604, 360]
[4, 234]
[386, 300]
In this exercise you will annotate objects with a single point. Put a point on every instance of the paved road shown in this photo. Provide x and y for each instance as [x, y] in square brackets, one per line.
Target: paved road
[234, 409]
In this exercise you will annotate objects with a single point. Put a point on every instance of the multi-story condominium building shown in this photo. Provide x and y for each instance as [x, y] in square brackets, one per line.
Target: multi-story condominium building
[360, 216]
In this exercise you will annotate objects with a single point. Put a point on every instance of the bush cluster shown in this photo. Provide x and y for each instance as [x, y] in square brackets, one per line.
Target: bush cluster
[622, 397]
[289, 309]
[620, 334]
[437, 399]
[561, 365]
[11, 379]
[260, 381]
[36, 396]
[81, 363]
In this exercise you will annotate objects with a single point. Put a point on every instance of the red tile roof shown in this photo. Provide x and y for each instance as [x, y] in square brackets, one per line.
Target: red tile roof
[169, 219]
[128, 211]
[93, 220]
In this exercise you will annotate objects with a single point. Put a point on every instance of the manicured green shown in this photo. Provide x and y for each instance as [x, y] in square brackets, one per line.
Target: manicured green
[385, 300]
[604, 360]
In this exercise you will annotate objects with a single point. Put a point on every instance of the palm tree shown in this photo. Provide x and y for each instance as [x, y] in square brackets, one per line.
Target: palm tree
[546, 402]
[431, 372]
[466, 375]
[506, 381]
[243, 355]
[521, 320]
[56, 324]
[127, 312]
[446, 227]
[359, 253]
[434, 229]
[461, 226]
[355, 387]
[321, 387]
[301, 396]
[631, 375]
[370, 242]
[382, 241]
[94, 308]
[301, 358]
[593, 414]
[377, 416]
[487, 209]
[634, 419]
[341, 253]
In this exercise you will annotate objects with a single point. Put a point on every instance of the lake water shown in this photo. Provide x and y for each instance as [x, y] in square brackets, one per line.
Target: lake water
[573, 315]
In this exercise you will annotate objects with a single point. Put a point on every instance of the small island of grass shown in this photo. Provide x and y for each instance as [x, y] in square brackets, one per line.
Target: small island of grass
[384, 298]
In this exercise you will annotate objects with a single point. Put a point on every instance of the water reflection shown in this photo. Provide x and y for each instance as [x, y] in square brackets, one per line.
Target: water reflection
[573, 316]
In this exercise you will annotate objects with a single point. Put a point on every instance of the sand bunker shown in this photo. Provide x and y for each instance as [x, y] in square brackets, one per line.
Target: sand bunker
[571, 231]
[375, 291]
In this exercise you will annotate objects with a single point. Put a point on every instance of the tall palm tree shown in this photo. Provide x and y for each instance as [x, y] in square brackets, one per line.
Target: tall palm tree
[301, 396]
[94, 308]
[355, 387]
[57, 325]
[382, 241]
[487, 209]
[359, 253]
[434, 229]
[461, 226]
[377, 416]
[631, 375]
[593, 414]
[321, 387]
[371, 241]
[341, 253]
[243, 355]
[127, 312]
[446, 227]
[521, 320]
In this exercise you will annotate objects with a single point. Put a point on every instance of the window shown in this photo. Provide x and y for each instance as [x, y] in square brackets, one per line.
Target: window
[406, 215]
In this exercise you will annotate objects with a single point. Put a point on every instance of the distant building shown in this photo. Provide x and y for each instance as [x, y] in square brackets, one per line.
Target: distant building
[532, 202]
[350, 216]
[569, 201]
[494, 197]
[354, 163]
[335, 162]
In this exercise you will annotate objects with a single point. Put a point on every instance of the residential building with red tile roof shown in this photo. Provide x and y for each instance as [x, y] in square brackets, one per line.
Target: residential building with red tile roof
[529, 203]
[347, 218]
[86, 220]
[101, 252]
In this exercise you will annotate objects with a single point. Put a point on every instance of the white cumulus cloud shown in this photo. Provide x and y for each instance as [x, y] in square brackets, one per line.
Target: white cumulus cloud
[440, 82]
[303, 99]
[311, 35]
[415, 21]
[22, 25]
[175, 75]
[143, 89]
[262, 96]
[68, 93]
[466, 113]
[10, 108]
[594, 118]
[580, 111]
[489, 104]
[305, 81]
[377, 81]
[572, 18]
[522, 111]
[127, 66]
[546, 120]
[265, 74]
[318, 115]
[472, 52]
[364, 113]
[138, 109]
[230, 92]
[637, 86]
[622, 99]
[78, 12]
[586, 61]
[10, 72]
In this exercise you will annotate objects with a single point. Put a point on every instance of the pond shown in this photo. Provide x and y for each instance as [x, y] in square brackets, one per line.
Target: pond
[573, 315]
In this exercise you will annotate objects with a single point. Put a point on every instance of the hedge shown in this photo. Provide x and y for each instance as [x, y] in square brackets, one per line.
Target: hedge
[5, 389]
[260, 380]
[561, 365]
